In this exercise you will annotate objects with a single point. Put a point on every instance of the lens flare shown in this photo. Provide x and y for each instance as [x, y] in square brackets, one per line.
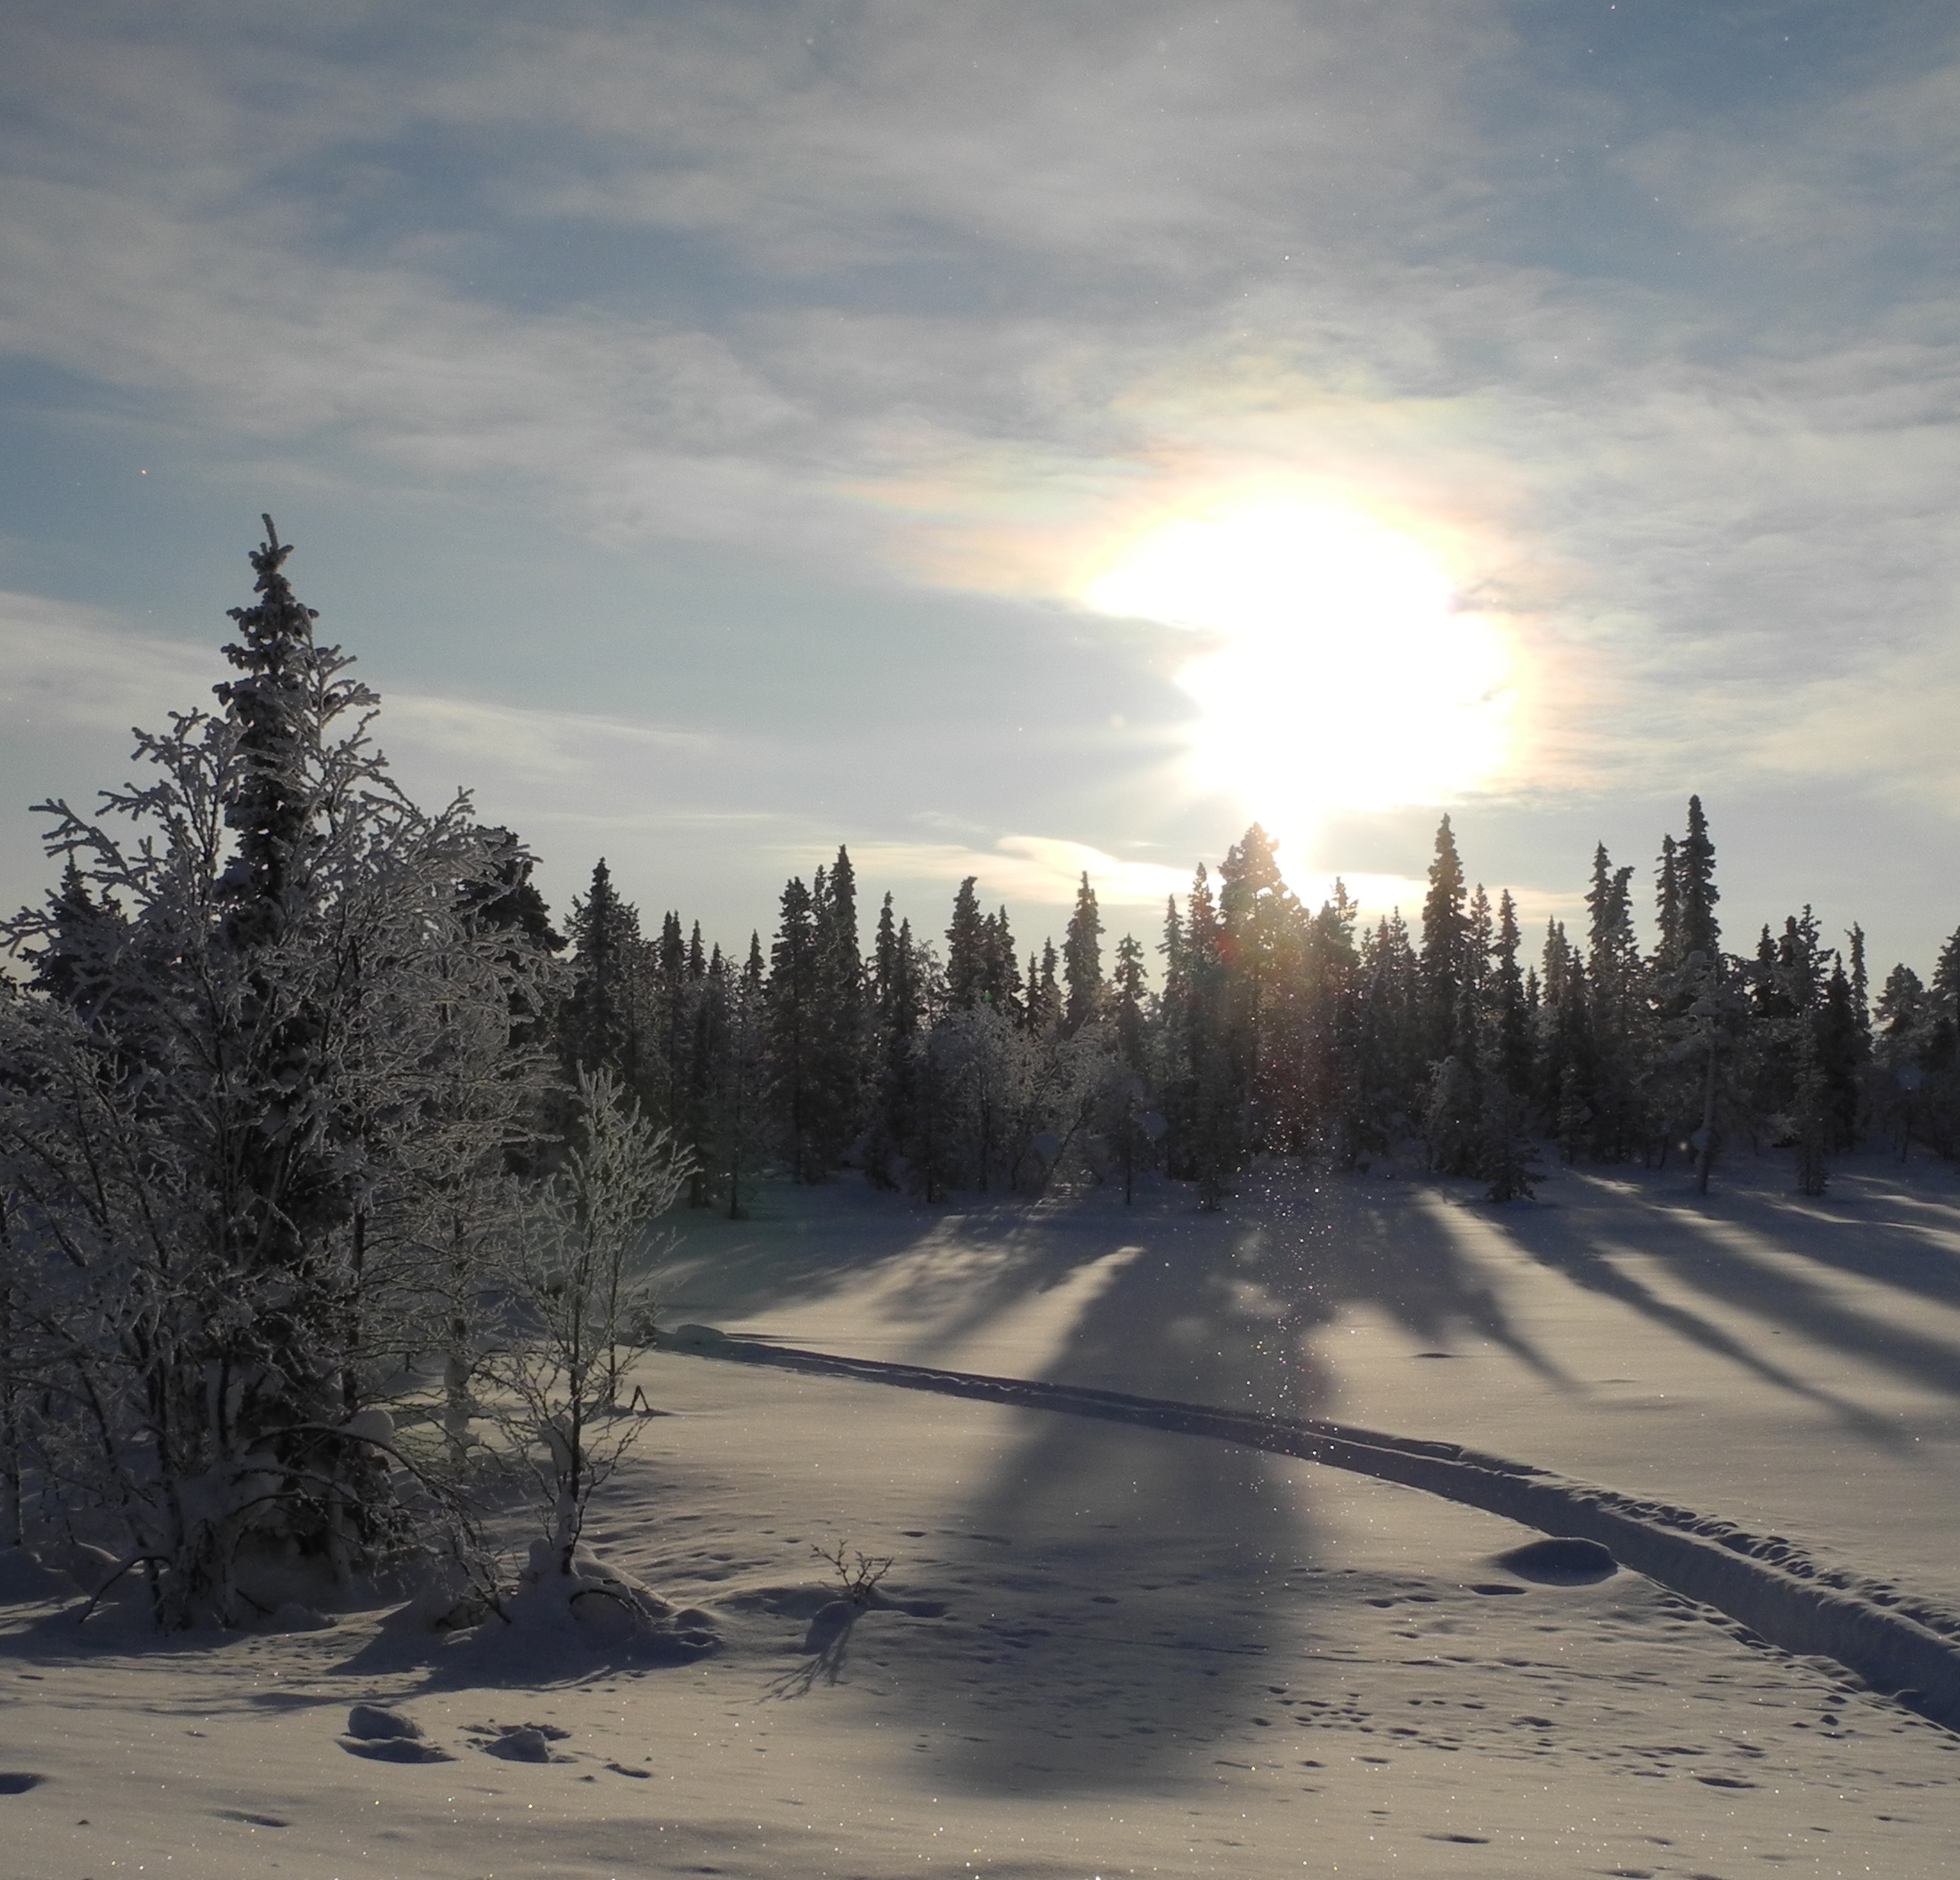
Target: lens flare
[1340, 672]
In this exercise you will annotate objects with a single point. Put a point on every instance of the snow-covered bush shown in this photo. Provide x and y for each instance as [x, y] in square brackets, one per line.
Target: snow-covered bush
[574, 1316]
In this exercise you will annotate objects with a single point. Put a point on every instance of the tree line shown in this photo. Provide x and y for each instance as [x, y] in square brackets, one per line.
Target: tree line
[1271, 1030]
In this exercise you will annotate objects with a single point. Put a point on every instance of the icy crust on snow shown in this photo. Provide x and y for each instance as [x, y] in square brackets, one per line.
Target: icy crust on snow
[1905, 1646]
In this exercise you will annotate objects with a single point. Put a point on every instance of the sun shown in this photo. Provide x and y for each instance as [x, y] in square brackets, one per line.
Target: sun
[1337, 670]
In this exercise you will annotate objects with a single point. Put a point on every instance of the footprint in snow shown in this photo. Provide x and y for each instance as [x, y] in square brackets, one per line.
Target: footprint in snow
[520, 1742]
[388, 1736]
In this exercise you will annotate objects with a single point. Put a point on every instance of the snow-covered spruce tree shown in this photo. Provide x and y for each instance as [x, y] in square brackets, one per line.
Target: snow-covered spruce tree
[207, 1129]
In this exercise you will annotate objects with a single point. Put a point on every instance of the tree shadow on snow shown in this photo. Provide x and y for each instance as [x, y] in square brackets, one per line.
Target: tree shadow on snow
[1151, 1583]
[1697, 1249]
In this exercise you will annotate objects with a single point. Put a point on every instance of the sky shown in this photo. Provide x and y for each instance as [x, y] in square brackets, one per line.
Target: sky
[1014, 439]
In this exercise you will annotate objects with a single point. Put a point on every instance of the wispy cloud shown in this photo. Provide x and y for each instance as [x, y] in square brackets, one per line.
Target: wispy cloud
[64, 667]
[1045, 870]
[961, 297]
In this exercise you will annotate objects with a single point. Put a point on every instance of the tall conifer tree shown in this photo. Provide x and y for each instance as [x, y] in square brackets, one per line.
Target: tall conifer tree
[793, 1028]
[1695, 861]
[1445, 944]
[966, 949]
[1082, 959]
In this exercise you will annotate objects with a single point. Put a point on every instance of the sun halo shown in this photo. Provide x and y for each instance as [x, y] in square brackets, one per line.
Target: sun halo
[1338, 671]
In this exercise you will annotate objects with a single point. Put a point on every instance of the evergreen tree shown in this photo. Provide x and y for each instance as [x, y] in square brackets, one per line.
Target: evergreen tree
[1321, 1031]
[1445, 946]
[1131, 1008]
[966, 949]
[1860, 986]
[1943, 991]
[900, 1012]
[1616, 979]
[741, 1091]
[1390, 1031]
[668, 1077]
[1215, 1132]
[81, 931]
[268, 1034]
[1842, 1051]
[1258, 1023]
[839, 1046]
[1044, 996]
[885, 968]
[1669, 951]
[1695, 865]
[598, 1023]
[1083, 961]
[793, 1030]
[1510, 1054]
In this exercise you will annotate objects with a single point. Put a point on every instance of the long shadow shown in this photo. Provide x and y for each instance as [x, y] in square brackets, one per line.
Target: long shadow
[1174, 1577]
[1147, 1560]
[1590, 1265]
[1722, 1272]
[1908, 1256]
[1716, 1268]
[799, 1244]
[1383, 1248]
[936, 1275]
[1688, 1244]
[1303, 1250]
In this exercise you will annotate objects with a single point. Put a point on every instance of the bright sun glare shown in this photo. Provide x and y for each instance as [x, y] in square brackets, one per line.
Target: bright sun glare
[1340, 675]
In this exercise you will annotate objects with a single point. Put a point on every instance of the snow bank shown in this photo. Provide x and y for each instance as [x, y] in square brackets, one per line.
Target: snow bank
[1906, 1647]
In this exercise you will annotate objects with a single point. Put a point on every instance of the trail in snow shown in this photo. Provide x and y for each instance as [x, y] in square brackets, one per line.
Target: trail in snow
[1906, 1647]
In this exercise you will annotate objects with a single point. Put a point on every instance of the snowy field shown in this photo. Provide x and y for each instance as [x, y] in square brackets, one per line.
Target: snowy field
[1129, 1651]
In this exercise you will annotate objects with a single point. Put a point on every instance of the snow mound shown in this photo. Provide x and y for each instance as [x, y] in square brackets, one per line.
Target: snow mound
[295, 1617]
[371, 1722]
[829, 1623]
[1563, 1560]
[596, 1611]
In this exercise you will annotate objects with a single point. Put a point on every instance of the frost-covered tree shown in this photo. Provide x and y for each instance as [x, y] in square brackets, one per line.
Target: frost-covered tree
[575, 1313]
[216, 1144]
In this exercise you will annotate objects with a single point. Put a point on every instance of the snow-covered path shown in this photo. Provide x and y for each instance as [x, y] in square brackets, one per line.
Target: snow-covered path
[1898, 1641]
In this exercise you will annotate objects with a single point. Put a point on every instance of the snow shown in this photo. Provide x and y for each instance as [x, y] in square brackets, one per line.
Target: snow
[1105, 1649]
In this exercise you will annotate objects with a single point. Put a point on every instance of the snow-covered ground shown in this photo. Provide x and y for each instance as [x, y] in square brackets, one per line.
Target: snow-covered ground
[1139, 1651]
[1794, 1366]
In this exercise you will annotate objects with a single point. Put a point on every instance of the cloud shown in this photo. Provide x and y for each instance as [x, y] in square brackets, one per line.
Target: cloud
[1044, 870]
[64, 667]
[961, 295]
[528, 743]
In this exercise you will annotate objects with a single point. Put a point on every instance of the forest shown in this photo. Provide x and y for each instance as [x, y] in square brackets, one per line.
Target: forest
[327, 1156]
